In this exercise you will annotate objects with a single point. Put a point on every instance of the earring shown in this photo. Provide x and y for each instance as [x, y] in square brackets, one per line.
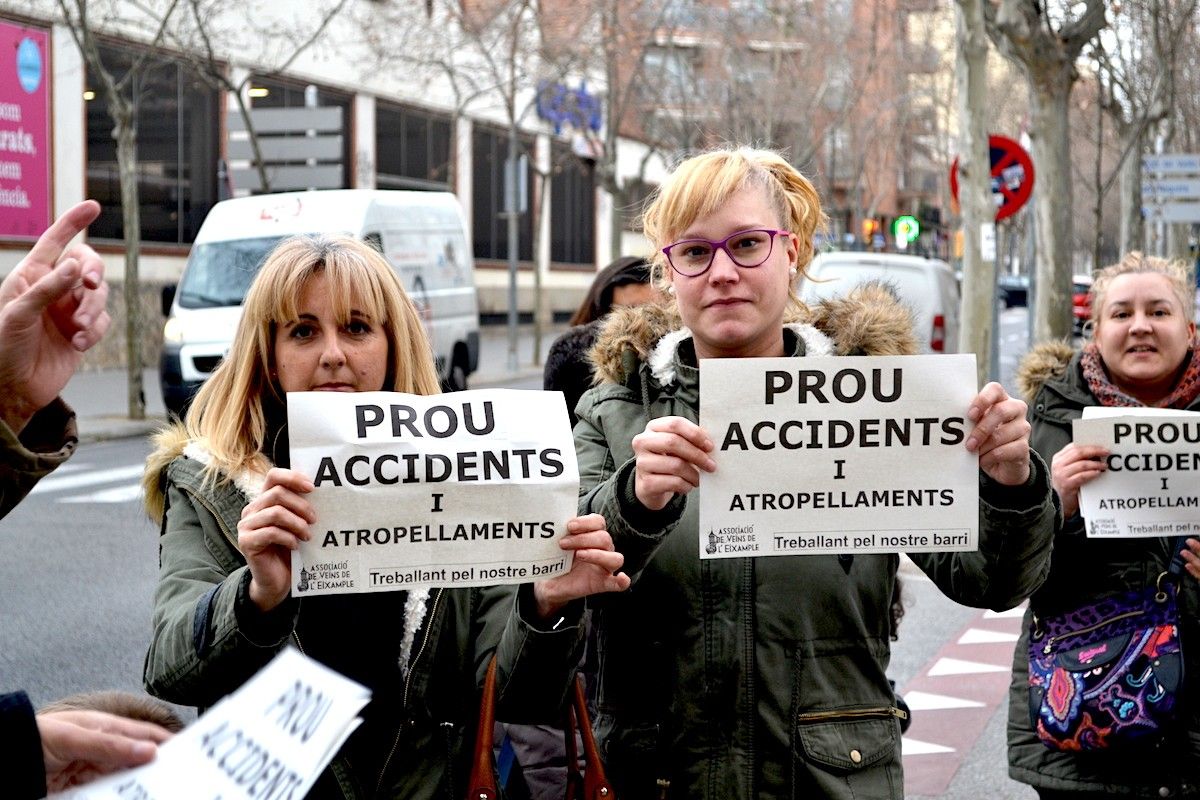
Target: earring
[671, 289]
[791, 272]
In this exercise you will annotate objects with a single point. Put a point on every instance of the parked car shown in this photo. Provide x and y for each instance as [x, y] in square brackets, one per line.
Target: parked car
[1081, 301]
[1013, 290]
[422, 235]
[926, 285]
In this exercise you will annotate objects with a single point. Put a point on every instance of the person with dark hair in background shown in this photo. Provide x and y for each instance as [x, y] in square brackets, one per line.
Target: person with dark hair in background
[52, 310]
[624, 282]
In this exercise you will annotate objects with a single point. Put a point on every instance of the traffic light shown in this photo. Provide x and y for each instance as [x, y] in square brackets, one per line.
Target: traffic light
[870, 227]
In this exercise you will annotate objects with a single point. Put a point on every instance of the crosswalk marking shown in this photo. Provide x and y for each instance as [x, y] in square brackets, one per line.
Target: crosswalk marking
[958, 666]
[984, 636]
[1011, 613]
[67, 482]
[928, 701]
[915, 747]
[119, 494]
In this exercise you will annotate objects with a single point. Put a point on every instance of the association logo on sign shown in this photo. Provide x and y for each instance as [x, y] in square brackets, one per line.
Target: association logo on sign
[29, 65]
[731, 539]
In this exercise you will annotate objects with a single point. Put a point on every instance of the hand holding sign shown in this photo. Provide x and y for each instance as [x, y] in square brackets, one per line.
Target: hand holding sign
[272, 526]
[593, 570]
[1001, 435]
[670, 453]
[1071, 468]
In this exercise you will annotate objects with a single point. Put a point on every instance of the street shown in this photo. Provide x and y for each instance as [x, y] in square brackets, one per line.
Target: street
[78, 562]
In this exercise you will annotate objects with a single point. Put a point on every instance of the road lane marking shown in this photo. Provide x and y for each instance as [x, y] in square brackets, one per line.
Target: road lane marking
[985, 636]
[928, 701]
[67, 482]
[118, 494]
[915, 747]
[959, 666]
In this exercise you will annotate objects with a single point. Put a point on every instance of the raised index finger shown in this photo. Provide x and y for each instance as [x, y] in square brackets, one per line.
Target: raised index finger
[51, 244]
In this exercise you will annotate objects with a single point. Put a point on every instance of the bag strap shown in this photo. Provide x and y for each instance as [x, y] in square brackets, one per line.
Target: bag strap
[481, 785]
[595, 781]
[591, 785]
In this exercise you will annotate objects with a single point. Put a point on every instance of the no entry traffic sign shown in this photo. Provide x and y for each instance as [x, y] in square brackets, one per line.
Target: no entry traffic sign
[1012, 176]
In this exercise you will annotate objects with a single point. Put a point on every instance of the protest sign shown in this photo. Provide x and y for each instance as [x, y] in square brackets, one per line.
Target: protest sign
[269, 740]
[463, 489]
[1149, 486]
[838, 455]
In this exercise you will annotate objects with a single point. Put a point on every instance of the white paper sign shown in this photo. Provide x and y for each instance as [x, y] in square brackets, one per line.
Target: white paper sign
[269, 740]
[1151, 485]
[838, 455]
[462, 489]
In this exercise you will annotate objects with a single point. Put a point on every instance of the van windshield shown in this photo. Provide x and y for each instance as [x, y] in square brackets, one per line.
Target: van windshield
[219, 273]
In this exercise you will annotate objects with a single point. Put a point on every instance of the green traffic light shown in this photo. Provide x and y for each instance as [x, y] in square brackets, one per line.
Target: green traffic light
[906, 228]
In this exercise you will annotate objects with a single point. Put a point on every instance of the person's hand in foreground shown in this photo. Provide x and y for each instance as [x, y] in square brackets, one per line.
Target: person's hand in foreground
[79, 746]
[52, 309]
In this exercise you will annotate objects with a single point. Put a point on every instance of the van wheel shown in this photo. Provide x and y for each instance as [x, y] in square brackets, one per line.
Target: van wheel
[456, 381]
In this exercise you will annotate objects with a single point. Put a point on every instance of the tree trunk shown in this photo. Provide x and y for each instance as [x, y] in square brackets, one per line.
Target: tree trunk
[1052, 157]
[1132, 232]
[974, 186]
[126, 136]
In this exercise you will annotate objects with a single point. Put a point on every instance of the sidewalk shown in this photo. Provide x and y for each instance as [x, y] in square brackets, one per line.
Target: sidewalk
[99, 397]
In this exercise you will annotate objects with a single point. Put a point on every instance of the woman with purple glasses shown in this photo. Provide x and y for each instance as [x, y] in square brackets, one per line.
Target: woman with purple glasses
[744, 678]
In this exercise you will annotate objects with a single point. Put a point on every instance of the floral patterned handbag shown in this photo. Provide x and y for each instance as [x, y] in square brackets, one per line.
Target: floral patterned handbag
[1108, 674]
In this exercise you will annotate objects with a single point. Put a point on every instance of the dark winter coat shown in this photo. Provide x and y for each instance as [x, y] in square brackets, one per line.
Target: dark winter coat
[568, 369]
[47, 441]
[1083, 570]
[742, 678]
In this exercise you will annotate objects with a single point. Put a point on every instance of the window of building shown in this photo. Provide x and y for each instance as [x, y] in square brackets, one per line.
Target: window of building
[412, 149]
[274, 93]
[489, 152]
[572, 209]
[177, 118]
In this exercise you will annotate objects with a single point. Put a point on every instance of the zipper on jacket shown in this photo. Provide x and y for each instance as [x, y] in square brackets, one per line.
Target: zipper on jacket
[412, 666]
[1050, 642]
[878, 712]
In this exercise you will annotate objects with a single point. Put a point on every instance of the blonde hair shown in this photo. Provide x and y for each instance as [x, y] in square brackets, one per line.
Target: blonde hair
[702, 184]
[1136, 263]
[228, 412]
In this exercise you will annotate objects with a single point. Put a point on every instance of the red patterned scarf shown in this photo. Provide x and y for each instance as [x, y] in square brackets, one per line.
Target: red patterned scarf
[1186, 390]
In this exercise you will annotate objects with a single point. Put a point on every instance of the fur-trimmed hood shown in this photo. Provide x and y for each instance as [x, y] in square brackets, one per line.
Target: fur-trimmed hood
[870, 320]
[1046, 362]
[169, 444]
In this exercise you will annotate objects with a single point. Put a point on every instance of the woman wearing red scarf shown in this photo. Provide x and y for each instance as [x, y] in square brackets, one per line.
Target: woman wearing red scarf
[1143, 352]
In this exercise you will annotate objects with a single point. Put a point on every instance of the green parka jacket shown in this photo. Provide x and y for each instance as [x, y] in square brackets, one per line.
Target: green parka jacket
[746, 678]
[1083, 570]
[418, 729]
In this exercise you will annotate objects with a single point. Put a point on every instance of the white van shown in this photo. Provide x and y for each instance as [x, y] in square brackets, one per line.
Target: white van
[925, 285]
[422, 234]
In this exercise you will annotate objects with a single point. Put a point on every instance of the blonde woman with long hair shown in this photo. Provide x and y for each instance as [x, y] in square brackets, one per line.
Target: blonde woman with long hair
[329, 314]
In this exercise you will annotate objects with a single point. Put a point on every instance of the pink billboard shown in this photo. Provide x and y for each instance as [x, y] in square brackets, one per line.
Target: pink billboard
[24, 131]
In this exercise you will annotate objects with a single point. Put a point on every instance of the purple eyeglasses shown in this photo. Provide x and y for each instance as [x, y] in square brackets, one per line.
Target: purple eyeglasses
[751, 248]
